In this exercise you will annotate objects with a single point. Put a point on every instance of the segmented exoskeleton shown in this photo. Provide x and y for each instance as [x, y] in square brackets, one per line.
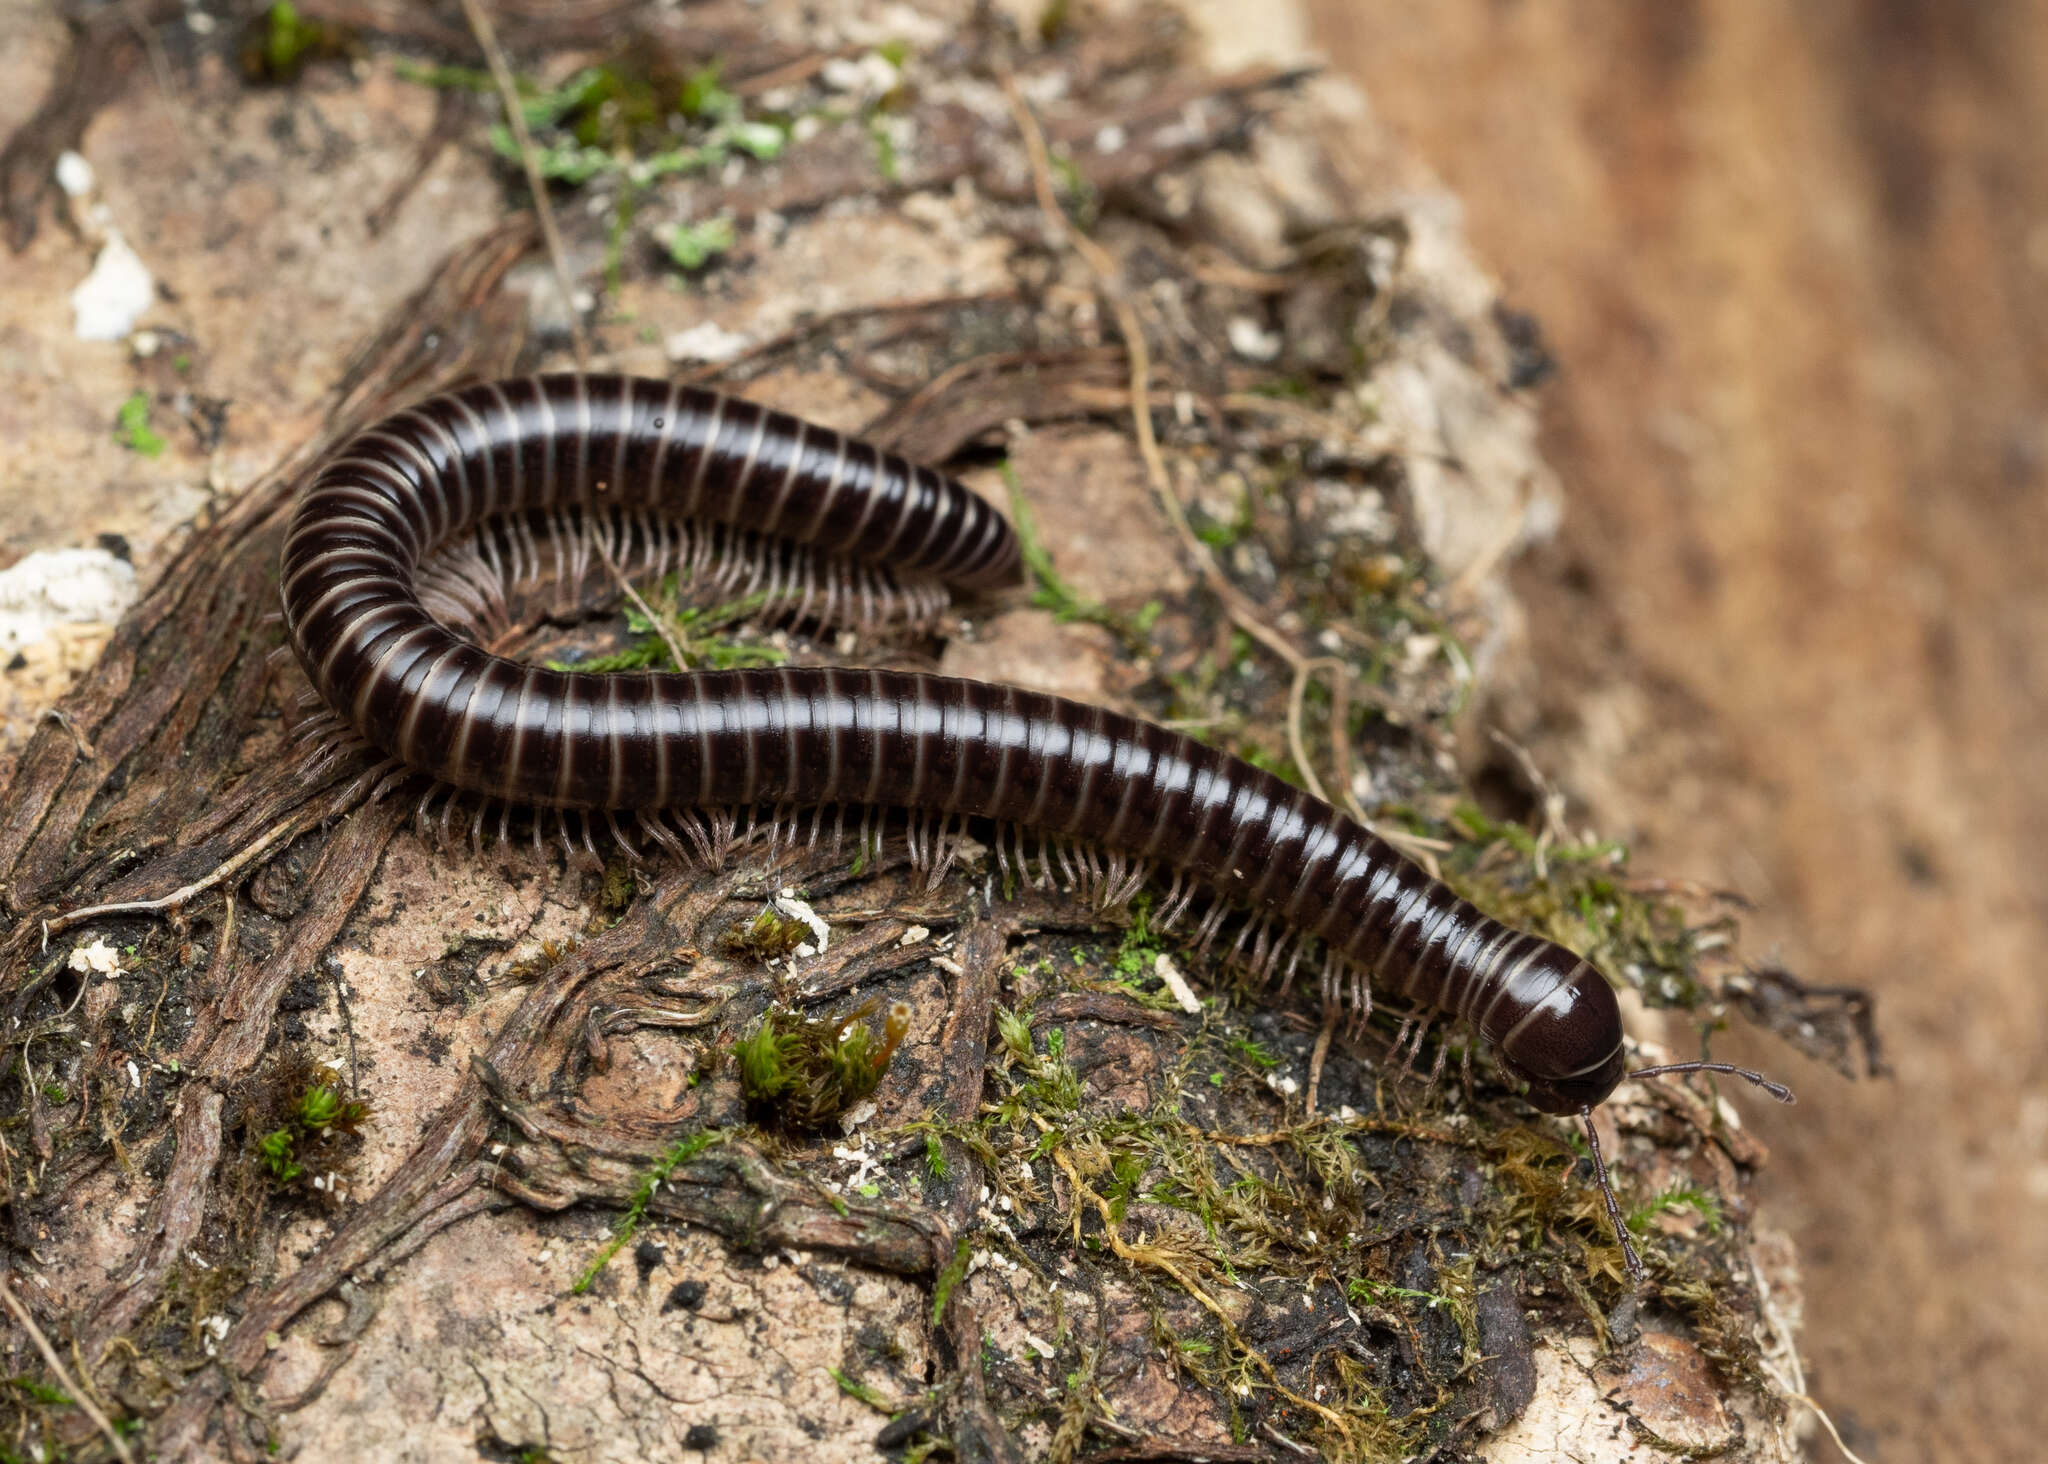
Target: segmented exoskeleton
[627, 461]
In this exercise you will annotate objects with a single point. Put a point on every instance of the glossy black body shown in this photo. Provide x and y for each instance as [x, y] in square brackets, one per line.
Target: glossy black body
[800, 736]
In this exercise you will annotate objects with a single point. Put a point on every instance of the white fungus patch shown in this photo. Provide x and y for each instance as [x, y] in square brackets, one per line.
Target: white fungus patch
[109, 301]
[1176, 983]
[74, 174]
[796, 909]
[99, 956]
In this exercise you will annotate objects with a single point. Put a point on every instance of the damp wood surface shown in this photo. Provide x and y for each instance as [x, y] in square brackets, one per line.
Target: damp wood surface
[1791, 259]
[379, 1146]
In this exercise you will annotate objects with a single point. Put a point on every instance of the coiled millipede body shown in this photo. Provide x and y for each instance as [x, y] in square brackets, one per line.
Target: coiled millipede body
[427, 512]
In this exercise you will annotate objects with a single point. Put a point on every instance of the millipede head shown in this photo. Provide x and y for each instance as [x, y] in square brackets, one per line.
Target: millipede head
[1565, 1041]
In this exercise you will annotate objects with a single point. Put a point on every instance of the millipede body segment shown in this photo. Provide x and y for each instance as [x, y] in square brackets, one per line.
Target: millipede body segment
[636, 454]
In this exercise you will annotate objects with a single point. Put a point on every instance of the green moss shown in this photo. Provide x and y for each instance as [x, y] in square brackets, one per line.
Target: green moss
[281, 42]
[1221, 534]
[696, 629]
[692, 246]
[853, 1388]
[1576, 894]
[39, 1392]
[1679, 1197]
[1046, 1083]
[887, 161]
[681, 1152]
[769, 936]
[303, 1123]
[132, 429]
[949, 1279]
[799, 1073]
[631, 119]
[616, 891]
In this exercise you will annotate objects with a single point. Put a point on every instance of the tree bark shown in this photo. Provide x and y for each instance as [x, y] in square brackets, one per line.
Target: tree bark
[1113, 1230]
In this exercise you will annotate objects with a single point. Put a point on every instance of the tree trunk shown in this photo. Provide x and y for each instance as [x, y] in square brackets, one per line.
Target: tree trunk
[325, 1141]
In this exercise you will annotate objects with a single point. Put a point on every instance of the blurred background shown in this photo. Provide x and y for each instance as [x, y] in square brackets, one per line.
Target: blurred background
[1793, 263]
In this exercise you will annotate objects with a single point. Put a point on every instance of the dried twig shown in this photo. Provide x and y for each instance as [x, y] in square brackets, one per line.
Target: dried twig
[529, 156]
[659, 622]
[1235, 603]
[281, 832]
[78, 1395]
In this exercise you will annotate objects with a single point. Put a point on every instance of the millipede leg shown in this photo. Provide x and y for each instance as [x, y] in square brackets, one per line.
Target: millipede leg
[1060, 846]
[658, 831]
[1400, 1039]
[422, 810]
[724, 825]
[700, 836]
[384, 775]
[1296, 947]
[1177, 896]
[1140, 873]
[944, 852]
[1414, 1047]
[626, 845]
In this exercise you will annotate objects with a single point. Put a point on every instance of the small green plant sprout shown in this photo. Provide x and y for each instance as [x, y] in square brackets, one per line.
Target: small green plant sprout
[1050, 592]
[1372, 1293]
[681, 1152]
[301, 1143]
[132, 429]
[1685, 1196]
[803, 1073]
[692, 246]
[852, 1387]
[1050, 1083]
[1253, 1054]
[280, 42]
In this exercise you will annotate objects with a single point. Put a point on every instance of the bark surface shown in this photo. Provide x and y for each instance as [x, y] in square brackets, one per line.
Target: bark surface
[340, 1142]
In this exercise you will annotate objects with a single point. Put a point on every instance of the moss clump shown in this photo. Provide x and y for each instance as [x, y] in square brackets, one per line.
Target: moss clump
[800, 1073]
[302, 1127]
[769, 936]
[616, 891]
[280, 43]
[531, 968]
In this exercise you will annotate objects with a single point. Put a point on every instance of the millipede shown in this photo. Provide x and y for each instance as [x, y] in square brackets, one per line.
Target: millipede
[411, 533]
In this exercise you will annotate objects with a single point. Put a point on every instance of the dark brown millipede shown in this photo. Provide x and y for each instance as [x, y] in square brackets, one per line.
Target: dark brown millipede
[414, 524]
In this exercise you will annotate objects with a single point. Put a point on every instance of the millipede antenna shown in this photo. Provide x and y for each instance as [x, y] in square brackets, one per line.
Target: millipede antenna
[1628, 1249]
